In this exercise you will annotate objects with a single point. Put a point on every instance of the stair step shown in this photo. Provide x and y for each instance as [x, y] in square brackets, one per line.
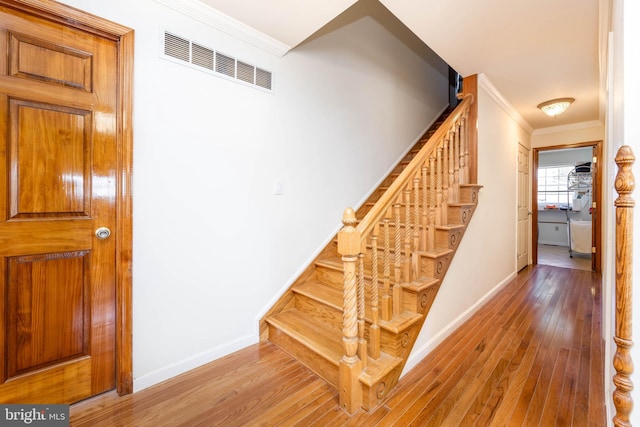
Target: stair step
[469, 193]
[318, 347]
[423, 294]
[460, 213]
[315, 344]
[332, 297]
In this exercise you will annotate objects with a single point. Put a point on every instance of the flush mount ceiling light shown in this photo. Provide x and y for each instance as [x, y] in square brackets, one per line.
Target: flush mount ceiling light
[555, 107]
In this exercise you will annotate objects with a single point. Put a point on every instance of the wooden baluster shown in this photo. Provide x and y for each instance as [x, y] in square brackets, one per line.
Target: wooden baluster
[432, 203]
[362, 343]
[386, 270]
[465, 150]
[424, 245]
[349, 247]
[622, 360]
[397, 259]
[448, 159]
[461, 154]
[439, 185]
[445, 182]
[374, 329]
[408, 234]
[416, 212]
[456, 164]
[466, 146]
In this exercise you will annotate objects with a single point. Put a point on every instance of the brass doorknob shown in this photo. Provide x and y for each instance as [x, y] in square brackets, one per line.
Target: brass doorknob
[103, 233]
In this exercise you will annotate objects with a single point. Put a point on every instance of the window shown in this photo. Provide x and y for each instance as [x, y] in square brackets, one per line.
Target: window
[552, 186]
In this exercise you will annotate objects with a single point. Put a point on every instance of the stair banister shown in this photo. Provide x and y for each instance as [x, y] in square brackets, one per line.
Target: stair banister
[352, 241]
[377, 212]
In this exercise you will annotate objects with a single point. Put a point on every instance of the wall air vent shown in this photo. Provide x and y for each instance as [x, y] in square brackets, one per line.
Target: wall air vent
[220, 64]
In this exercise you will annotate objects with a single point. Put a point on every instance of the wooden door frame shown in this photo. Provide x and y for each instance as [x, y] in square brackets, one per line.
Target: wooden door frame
[124, 37]
[598, 199]
[529, 216]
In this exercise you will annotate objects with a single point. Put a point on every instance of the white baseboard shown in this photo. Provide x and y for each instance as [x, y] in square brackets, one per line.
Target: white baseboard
[170, 371]
[420, 353]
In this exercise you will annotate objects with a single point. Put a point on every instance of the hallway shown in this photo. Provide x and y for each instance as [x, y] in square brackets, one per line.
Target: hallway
[533, 355]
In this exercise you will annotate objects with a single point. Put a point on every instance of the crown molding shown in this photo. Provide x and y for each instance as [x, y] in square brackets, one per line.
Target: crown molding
[568, 128]
[209, 16]
[485, 83]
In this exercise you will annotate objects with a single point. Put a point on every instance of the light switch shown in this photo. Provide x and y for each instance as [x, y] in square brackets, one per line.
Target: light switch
[278, 187]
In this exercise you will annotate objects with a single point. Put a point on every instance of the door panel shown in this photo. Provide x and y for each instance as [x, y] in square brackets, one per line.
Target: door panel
[48, 324]
[49, 149]
[57, 186]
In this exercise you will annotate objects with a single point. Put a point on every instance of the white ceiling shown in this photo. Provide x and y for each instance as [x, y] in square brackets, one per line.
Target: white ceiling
[531, 51]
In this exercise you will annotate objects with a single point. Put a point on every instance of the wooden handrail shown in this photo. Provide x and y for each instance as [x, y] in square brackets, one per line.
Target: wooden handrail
[622, 361]
[389, 197]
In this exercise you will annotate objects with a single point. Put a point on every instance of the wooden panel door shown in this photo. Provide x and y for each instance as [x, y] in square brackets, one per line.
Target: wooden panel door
[58, 150]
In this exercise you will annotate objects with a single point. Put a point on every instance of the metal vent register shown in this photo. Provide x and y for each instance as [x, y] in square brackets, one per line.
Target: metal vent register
[203, 57]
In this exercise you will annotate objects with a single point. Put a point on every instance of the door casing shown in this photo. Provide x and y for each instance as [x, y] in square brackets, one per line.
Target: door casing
[597, 233]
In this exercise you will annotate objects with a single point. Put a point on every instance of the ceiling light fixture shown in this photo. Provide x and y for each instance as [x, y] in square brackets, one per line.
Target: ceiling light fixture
[555, 107]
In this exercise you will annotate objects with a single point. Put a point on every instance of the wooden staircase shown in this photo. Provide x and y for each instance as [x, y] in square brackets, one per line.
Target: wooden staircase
[353, 316]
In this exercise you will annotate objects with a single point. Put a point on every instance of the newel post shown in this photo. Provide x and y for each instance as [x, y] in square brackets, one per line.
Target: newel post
[622, 361]
[349, 247]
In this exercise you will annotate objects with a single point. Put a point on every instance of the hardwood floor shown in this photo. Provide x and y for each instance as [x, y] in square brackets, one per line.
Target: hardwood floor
[532, 356]
[559, 256]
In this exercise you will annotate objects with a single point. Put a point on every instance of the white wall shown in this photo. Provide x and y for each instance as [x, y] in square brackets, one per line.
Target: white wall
[213, 247]
[570, 134]
[486, 258]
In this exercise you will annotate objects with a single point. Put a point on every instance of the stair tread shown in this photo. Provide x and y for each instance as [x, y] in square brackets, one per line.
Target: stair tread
[377, 369]
[438, 252]
[315, 335]
[327, 344]
[319, 291]
[450, 227]
[332, 296]
[420, 285]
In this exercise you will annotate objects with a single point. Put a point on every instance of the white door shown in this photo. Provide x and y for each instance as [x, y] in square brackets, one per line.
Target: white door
[523, 207]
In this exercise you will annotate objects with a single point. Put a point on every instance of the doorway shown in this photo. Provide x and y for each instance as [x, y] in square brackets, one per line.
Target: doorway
[65, 210]
[566, 190]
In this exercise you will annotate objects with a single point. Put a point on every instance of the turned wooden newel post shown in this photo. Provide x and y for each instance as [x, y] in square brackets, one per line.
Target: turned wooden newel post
[349, 246]
[622, 361]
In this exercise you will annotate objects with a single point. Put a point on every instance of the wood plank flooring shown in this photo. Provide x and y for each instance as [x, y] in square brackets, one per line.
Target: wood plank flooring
[559, 256]
[532, 356]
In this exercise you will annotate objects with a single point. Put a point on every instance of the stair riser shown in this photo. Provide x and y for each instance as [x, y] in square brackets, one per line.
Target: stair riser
[318, 364]
[435, 267]
[469, 193]
[322, 312]
[448, 239]
[330, 276]
[419, 302]
[460, 214]
[373, 396]
[397, 345]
